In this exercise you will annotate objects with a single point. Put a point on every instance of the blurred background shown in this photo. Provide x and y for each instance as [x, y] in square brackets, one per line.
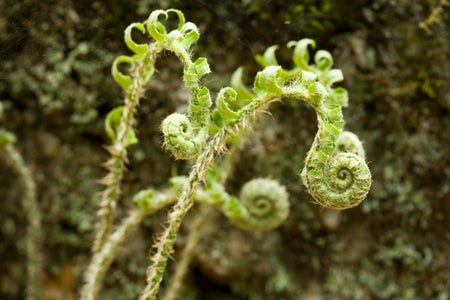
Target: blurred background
[56, 89]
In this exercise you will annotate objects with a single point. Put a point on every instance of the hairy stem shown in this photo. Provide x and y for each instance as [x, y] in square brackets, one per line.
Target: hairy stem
[103, 258]
[116, 165]
[226, 168]
[187, 254]
[184, 203]
[178, 212]
[34, 231]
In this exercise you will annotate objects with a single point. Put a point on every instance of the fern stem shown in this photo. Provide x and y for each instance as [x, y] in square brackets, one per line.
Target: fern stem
[34, 230]
[204, 161]
[103, 258]
[226, 168]
[116, 165]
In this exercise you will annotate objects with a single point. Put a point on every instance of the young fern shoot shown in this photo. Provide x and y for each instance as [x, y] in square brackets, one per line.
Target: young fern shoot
[335, 173]
[262, 205]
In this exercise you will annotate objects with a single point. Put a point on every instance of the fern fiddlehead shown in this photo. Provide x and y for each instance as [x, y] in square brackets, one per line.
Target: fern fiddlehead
[262, 205]
[184, 135]
[335, 174]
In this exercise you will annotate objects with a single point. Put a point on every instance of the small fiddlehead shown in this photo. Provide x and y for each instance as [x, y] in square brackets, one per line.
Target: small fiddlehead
[349, 142]
[184, 135]
[266, 202]
[150, 200]
[262, 205]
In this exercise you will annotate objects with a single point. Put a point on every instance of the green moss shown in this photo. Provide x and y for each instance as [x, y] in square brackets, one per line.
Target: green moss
[280, 282]
[65, 82]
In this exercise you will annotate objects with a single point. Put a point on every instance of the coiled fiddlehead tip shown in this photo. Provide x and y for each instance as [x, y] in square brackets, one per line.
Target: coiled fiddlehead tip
[157, 29]
[195, 72]
[323, 60]
[266, 202]
[135, 47]
[339, 96]
[112, 123]
[343, 183]
[300, 56]
[349, 142]
[262, 205]
[268, 58]
[181, 138]
[244, 95]
[224, 111]
[190, 33]
[267, 81]
[123, 80]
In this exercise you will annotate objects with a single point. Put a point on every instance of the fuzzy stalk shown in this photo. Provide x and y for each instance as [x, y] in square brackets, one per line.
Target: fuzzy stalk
[226, 168]
[102, 259]
[142, 72]
[34, 229]
[187, 254]
[176, 216]
[203, 163]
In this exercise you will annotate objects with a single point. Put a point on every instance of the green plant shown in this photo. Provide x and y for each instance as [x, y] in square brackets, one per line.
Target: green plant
[33, 214]
[334, 173]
